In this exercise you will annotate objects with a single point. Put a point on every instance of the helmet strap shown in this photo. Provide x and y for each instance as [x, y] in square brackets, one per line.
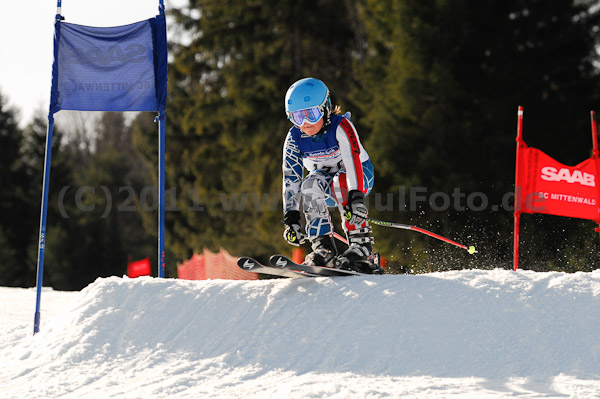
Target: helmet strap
[326, 114]
[326, 117]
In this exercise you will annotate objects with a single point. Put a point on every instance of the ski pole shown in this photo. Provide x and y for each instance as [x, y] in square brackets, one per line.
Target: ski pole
[340, 237]
[470, 249]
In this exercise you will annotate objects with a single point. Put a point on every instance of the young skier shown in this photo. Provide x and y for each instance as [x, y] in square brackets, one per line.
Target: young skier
[340, 174]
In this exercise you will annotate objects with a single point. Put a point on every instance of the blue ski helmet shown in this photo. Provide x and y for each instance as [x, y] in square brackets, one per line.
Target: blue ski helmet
[308, 93]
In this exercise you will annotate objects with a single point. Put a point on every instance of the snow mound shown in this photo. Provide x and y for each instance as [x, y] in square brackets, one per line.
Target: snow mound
[487, 332]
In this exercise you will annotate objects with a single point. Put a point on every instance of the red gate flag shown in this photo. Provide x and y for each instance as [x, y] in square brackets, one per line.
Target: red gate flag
[544, 185]
[139, 268]
[547, 186]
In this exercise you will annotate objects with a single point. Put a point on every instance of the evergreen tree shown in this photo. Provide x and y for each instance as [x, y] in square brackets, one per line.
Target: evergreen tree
[93, 221]
[33, 154]
[132, 190]
[15, 219]
[226, 121]
[443, 81]
[104, 227]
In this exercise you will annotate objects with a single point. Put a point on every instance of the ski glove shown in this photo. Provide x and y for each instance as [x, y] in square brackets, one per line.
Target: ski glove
[293, 231]
[355, 211]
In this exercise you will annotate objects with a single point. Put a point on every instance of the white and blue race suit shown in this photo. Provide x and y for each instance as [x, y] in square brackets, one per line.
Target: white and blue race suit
[336, 163]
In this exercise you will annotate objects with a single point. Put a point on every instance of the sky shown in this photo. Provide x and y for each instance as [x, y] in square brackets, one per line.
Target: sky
[26, 42]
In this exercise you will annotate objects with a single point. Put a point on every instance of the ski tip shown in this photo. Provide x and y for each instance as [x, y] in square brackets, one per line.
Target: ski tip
[247, 263]
[278, 261]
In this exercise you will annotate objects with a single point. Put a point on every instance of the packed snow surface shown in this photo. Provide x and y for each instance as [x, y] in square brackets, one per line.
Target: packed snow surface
[472, 333]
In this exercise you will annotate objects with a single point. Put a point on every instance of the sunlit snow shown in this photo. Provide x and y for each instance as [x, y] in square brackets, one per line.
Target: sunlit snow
[472, 333]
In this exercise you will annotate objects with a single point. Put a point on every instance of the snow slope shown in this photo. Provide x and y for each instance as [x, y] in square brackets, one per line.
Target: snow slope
[473, 333]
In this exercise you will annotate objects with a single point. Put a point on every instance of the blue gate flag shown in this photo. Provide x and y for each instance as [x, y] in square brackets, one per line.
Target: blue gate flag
[122, 68]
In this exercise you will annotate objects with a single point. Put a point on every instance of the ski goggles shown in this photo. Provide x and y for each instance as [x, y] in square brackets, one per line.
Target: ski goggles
[311, 115]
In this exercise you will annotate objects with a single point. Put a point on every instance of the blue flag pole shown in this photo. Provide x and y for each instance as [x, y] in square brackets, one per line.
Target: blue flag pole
[161, 179]
[59, 10]
[44, 206]
[42, 238]
[161, 198]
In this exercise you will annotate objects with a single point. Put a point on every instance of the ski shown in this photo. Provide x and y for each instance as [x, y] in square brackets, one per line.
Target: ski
[284, 263]
[252, 265]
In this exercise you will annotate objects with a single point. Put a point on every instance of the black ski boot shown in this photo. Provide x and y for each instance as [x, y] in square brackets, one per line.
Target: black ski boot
[359, 256]
[324, 252]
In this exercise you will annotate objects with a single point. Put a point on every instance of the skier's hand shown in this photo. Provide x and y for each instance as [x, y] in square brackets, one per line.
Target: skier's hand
[293, 231]
[293, 234]
[355, 211]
